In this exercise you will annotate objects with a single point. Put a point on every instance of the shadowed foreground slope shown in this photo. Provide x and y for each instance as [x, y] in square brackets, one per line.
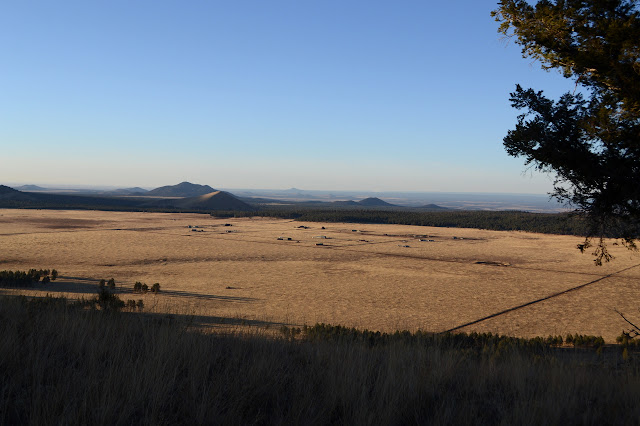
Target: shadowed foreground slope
[60, 365]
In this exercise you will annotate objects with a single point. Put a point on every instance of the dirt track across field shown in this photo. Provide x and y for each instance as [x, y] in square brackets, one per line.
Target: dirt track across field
[382, 277]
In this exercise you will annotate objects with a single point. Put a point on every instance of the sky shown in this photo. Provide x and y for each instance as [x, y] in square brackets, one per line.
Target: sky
[333, 94]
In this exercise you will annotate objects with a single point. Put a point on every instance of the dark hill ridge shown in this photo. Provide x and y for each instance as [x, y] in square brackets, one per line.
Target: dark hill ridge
[7, 190]
[183, 189]
[432, 207]
[367, 202]
[374, 202]
[215, 200]
[31, 188]
[345, 203]
[129, 191]
[8, 193]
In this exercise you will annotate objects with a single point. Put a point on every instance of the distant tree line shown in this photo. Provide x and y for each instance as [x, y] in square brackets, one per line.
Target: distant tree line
[27, 278]
[547, 223]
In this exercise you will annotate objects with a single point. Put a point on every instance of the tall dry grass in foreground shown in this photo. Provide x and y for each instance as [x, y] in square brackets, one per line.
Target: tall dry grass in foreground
[65, 365]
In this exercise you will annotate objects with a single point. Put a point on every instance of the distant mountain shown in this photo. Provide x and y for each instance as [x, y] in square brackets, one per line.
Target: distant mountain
[7, 190]
[184, 189]
[432, 207]
[374, 202]
[30, 188]
[215, 200]
[7, 193]
[129, 191]
[345, 203]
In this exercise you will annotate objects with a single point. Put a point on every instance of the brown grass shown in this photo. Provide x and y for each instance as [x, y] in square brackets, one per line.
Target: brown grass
[64, 365]
[376, 284]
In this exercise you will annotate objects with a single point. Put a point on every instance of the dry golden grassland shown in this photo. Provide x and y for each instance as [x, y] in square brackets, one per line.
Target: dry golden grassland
[362, 276]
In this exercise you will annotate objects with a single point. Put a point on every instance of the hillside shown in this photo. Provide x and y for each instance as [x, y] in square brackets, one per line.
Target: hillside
[183, 189]
[215, 200]
[345, 203]
[374, 202]
[432, 207]
[7, 193]
[31, 188]
[7, 190]
[129, 191]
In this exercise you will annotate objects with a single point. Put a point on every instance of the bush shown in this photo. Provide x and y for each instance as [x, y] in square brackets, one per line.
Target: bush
[109, 301]
[102, 283]
[140, 287]
[35, 275]
[54, 274]
[155, 288]
[112, 283]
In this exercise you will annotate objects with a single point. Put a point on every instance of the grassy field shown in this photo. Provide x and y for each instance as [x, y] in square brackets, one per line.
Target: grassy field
[61, 364]
[380, 277]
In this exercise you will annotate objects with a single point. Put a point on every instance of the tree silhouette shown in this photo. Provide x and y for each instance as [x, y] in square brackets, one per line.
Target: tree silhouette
[590, 140]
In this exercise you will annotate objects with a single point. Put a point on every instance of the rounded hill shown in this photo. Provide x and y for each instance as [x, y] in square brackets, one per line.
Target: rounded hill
[216, 200]
[183, 189]
[374, 202]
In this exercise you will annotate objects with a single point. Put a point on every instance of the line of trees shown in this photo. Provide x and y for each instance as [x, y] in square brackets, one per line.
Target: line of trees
[27, 278]
[561, 223]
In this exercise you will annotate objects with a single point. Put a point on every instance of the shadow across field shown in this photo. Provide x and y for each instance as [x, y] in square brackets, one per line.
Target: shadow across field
[210, 320]
[187, 294]
[551, 296]
[89, 286]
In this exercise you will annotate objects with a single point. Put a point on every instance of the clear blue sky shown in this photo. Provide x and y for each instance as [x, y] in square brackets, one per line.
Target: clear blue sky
[331, 94]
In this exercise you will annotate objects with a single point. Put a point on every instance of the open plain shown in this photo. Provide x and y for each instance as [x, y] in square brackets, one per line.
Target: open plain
[268, 272]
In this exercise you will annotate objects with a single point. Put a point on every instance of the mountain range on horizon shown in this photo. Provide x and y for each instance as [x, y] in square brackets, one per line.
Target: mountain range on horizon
[261, 198]
[170, 197]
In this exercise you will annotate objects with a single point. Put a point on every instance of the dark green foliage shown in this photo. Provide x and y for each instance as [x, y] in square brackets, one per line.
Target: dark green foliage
[111, 283]
[580, 340]
[35, 274]
[590, 141]
[54, 274]
[109, 301]
[564, 224]
[486, 343]
[155, 288]
[627, 341]
[102, 283]
[140, 287]
[24, 279]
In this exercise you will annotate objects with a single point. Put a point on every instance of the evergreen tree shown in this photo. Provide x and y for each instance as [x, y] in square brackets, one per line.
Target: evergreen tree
[590, 140]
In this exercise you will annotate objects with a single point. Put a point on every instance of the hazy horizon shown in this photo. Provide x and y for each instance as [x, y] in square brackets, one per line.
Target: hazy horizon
[409, 96]
[297, 188]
